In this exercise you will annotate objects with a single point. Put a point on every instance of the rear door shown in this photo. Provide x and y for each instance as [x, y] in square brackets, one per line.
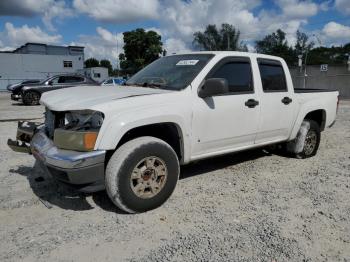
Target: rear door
[228, 121]
[277, 106]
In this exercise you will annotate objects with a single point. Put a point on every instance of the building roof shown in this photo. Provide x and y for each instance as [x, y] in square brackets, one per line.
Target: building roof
[25, 49]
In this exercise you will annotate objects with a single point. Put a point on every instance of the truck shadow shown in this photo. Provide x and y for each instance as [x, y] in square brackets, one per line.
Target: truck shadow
[51, 193]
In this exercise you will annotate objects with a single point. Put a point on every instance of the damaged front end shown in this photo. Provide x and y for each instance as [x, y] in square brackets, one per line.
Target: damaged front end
[25, 133]
[65, 146]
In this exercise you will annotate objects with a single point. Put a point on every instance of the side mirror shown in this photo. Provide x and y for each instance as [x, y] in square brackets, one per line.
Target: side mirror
[50, 83]
[212, 87]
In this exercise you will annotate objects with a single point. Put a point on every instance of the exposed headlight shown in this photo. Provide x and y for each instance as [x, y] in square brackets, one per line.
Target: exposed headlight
[79, 131]
[83, 119]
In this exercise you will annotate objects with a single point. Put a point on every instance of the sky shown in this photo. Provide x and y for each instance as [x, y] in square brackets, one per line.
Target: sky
[99, 24]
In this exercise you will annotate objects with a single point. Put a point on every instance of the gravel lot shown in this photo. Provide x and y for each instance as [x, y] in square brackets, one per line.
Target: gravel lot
[251, 206]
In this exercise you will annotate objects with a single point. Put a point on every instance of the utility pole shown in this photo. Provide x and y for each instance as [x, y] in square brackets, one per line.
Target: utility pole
[228, 42]
[116, 38]
[305, 73]
[305, 61]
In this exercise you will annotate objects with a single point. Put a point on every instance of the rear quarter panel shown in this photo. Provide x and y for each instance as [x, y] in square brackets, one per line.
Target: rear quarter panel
[308, 102]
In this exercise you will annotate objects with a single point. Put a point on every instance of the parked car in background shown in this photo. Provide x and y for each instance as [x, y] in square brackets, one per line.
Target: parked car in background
[10, 87]
[117, 81]
[30, 93]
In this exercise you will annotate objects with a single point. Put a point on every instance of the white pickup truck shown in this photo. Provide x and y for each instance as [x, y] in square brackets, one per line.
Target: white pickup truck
[131, 140]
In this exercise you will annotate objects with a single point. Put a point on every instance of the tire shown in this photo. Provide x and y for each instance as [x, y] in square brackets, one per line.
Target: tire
[31, 98]
[134, 195]
[312, 141]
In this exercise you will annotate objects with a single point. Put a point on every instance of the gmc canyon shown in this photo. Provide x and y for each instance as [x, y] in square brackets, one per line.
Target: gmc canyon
[132, 140]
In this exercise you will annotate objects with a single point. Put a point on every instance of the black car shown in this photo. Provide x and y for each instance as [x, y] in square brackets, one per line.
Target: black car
[30, 93]
[10, 87]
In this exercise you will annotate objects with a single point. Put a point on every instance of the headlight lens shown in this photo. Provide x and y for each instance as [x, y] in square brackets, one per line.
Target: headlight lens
[80, 130]
[75, 140]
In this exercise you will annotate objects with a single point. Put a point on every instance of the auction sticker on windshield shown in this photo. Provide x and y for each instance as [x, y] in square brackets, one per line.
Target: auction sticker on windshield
[187, 62]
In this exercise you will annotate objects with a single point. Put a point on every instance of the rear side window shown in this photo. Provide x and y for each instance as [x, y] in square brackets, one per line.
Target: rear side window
[238, 75]
[73, 79]
[272, 76]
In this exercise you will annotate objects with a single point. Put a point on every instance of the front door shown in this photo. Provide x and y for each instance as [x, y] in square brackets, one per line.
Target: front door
[229, 121]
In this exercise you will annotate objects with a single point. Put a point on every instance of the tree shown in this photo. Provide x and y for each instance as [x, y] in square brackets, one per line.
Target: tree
[212, 39]
[140, 49]
[276, 44]
[91, 62]
[334, 55]
[107, 64]
[302, 45]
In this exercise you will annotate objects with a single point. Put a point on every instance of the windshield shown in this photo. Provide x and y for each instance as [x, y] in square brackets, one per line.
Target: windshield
[171, 72]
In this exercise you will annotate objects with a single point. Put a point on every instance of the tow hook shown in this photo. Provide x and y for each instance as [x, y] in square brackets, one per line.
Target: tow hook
[25, 132]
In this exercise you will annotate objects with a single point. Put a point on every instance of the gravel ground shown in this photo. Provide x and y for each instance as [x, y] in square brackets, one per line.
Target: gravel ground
[251, 206]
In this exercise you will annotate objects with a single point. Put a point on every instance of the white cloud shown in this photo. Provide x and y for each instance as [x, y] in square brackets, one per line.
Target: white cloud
[295, 9]
[116, 11]
[13, 37]
[177, 19]
[334, 32]
[48, 9]
[343, 6]
[103, 45]
[173, 45]
[180, 19]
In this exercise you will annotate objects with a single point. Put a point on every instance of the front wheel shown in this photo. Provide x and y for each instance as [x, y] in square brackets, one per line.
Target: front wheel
[142, 174]
[31, 98]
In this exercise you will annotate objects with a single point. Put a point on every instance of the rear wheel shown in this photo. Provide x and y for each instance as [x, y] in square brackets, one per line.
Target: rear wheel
[31, 98]
[312, 141]
[142, 174]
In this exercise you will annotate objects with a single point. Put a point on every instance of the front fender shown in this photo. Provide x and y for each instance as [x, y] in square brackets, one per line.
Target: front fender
[118, 125]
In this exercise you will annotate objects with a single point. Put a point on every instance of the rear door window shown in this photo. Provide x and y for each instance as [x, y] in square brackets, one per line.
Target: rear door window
[272, 75]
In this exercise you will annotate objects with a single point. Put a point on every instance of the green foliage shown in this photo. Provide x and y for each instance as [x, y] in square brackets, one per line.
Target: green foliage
[140, 49]
[107, 64]
[276, 44]
[302, 44]
[212, 39]
[91, 62]
[329, 55]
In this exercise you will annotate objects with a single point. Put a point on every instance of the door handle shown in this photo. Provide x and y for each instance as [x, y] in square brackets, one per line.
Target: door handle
[251, 103]
[286, 100]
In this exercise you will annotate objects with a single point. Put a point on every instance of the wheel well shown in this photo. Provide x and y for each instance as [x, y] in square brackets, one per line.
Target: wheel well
[319, 116]
[31, 90]
[168, 132]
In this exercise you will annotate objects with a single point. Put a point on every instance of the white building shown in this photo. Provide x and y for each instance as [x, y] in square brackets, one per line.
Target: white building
[98, 74]
[39, 61]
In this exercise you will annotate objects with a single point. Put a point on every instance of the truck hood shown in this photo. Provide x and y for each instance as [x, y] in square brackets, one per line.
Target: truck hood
[85, 97]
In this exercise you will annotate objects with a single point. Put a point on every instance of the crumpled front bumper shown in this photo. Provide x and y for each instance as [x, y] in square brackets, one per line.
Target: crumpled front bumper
[85, 170]
[77, 168]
